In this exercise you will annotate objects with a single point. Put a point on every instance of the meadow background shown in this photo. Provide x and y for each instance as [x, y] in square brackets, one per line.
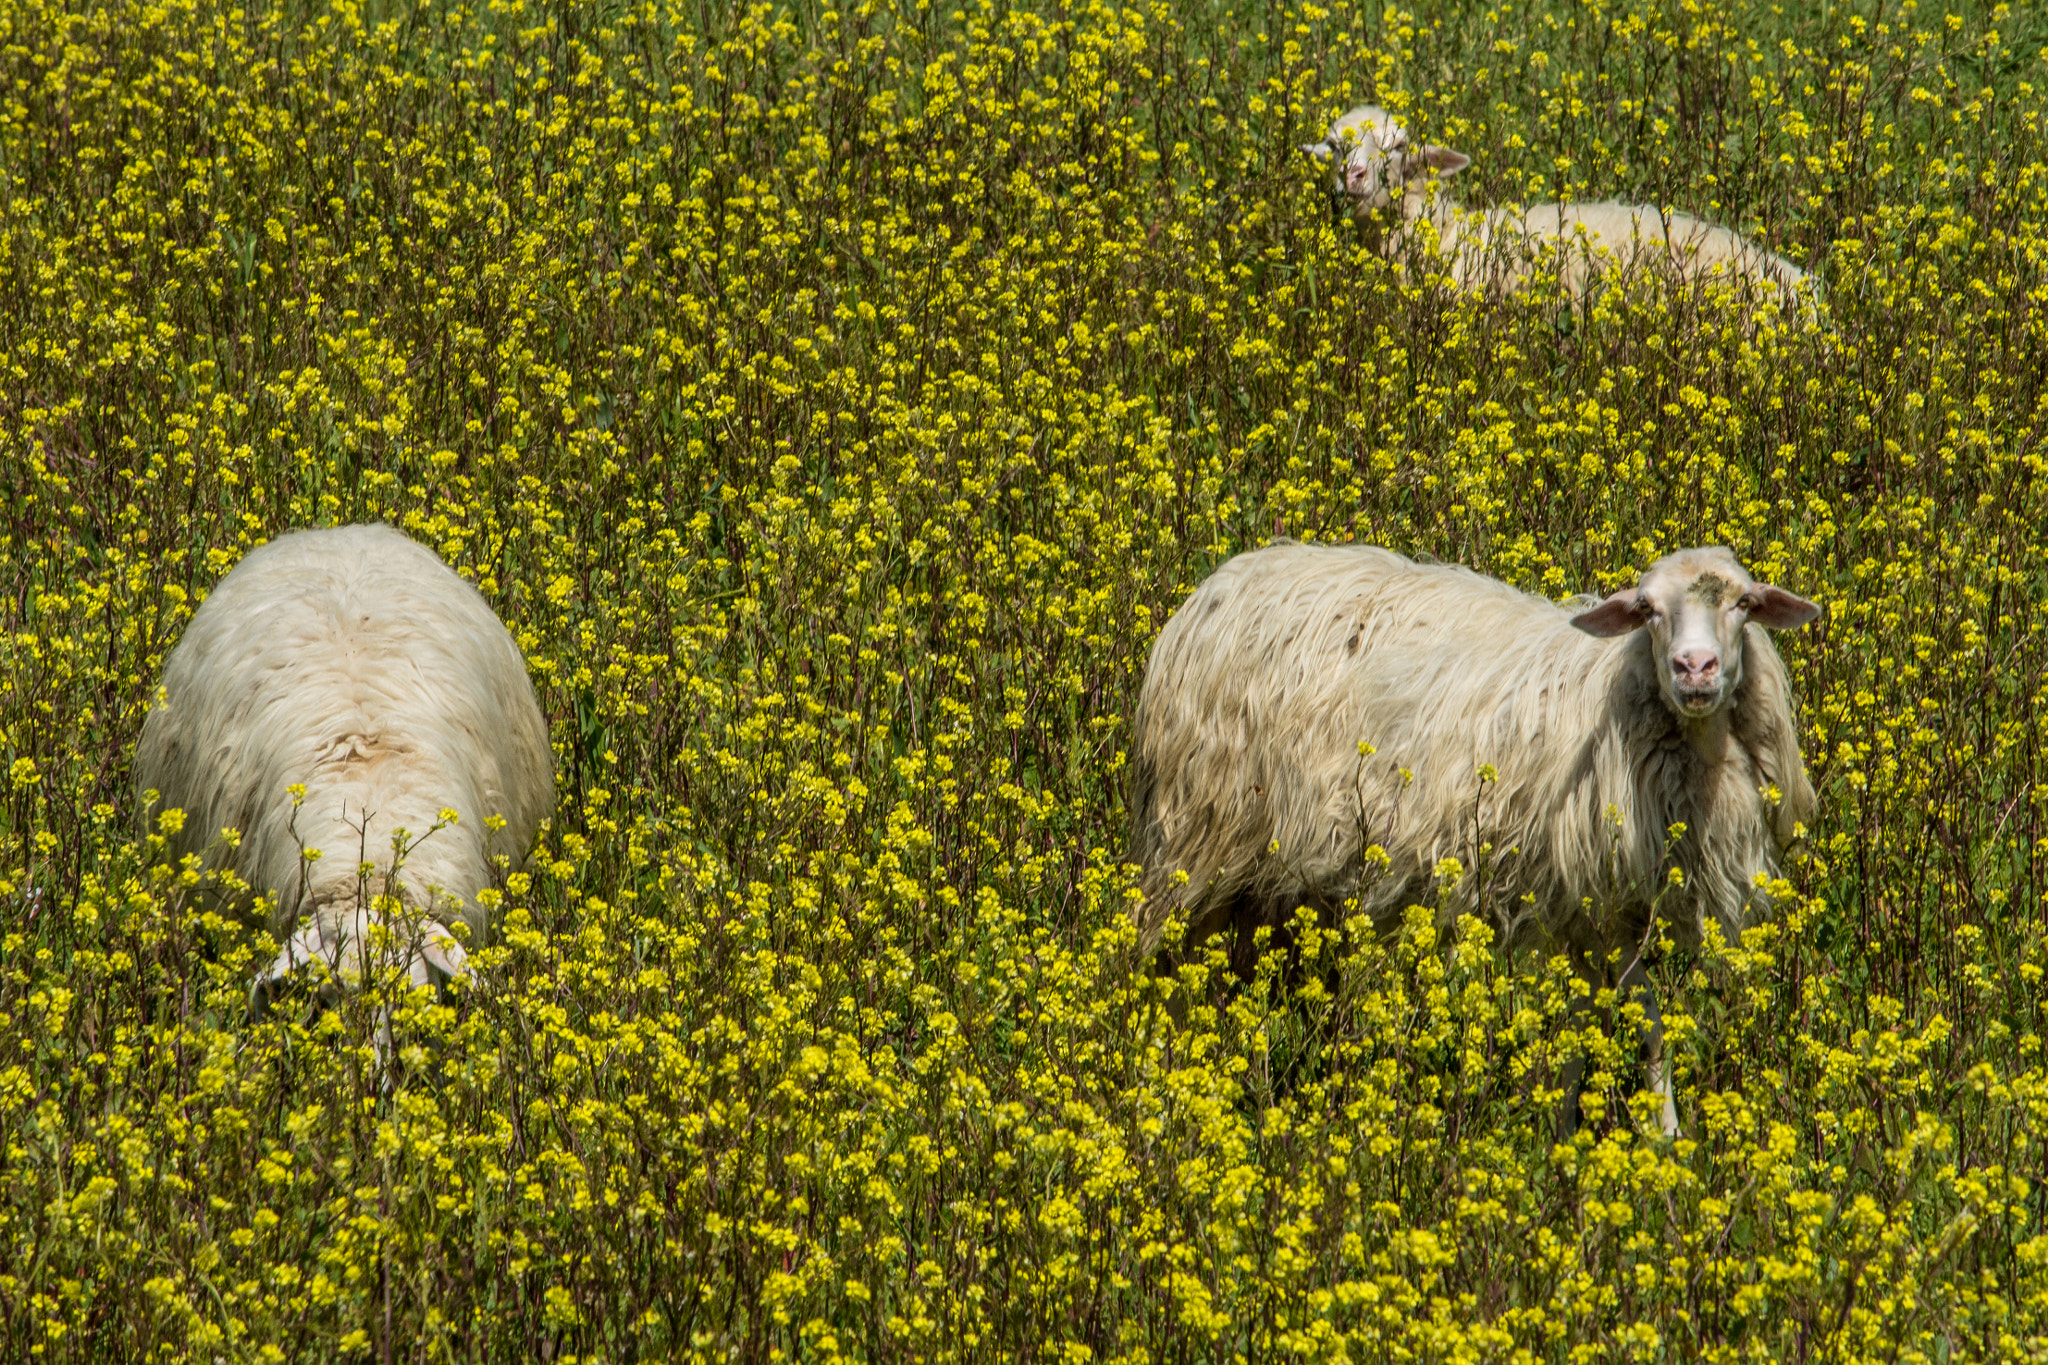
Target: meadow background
[834, 402]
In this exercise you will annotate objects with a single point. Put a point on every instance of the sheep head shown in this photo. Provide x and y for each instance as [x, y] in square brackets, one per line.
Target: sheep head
[1373, 161]
[352, 943]
[1694, 604]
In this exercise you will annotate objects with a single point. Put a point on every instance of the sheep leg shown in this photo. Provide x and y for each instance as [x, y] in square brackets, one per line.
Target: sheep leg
[1586, 967]
[1636, 986]
[1568, 1109]
[1574, 1075]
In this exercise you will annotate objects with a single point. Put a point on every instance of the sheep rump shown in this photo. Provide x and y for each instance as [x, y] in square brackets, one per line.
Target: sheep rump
[1248, 778]
[354, 662]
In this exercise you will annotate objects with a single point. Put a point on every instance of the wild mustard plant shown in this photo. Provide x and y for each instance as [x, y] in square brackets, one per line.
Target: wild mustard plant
[834, 401]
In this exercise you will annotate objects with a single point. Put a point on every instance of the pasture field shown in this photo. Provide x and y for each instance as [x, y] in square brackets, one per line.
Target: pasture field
[834, 401]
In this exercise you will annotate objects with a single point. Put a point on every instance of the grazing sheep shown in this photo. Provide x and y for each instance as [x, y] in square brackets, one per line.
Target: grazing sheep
[1309, 702]
[353, 663]
[1373, 161]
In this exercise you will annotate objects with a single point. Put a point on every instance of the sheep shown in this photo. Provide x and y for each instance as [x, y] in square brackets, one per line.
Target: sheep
[1310, 702]
[1373, 159]
[352, 665]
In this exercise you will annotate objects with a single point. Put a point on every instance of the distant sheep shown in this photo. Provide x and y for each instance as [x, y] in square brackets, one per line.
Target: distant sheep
[1373, 161]
[354, 663]
[1663, 704]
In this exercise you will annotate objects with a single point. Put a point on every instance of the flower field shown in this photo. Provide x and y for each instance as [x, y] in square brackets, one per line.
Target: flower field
[834, 402]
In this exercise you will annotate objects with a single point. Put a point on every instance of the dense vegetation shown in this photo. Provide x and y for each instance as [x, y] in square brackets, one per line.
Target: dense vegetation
[834, 402]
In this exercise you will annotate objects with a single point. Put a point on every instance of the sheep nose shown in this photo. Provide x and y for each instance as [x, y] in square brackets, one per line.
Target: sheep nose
[1697, 665]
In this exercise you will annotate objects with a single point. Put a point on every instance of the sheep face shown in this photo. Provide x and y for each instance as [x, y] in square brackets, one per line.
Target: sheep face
[1378, 161]
[1695, 604]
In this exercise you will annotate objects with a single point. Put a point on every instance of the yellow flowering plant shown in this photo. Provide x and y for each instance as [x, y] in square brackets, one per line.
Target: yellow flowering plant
[834, 401]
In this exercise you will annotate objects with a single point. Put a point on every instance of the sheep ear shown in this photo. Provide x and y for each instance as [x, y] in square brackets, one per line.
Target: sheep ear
[440, 951]
[1776, 609]
[1617, 615]
[1320, 151]
[303, 946]
[1442, 160]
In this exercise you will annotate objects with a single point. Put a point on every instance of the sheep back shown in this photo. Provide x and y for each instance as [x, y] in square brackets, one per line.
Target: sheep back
[354, 662]
[1496, 249]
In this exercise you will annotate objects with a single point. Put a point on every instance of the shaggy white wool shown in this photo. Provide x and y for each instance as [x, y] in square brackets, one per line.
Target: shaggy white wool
[353, 662]
[1588, 243]
[1248, 776]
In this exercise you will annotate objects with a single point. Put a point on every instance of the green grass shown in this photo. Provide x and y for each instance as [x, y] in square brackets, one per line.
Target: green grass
[834, 403]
